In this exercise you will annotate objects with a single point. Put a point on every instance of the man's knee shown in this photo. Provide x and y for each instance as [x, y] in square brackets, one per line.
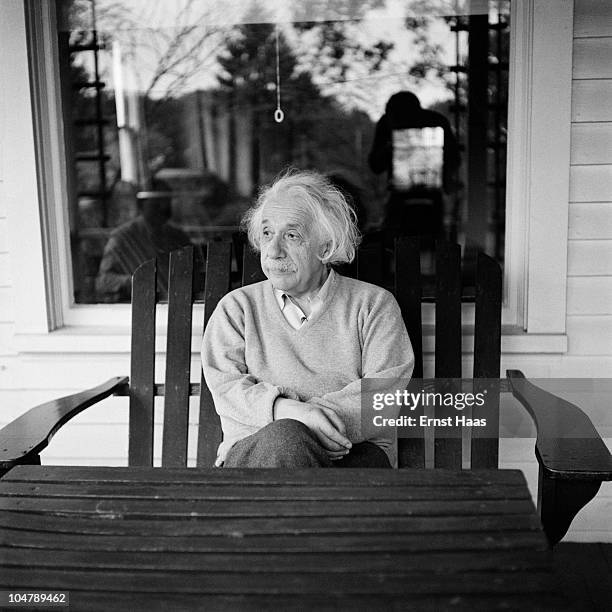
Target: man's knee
[282, 443]
[287, 430]
[289, 443]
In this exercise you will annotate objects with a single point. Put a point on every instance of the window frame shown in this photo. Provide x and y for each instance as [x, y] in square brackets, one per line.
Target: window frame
[537, 195]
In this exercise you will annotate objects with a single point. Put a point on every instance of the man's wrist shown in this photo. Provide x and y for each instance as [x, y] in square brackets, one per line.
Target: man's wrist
[285, 408]
[278, 408]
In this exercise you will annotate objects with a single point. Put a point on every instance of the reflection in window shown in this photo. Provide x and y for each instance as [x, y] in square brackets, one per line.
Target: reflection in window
[418, 158]
[171, 105]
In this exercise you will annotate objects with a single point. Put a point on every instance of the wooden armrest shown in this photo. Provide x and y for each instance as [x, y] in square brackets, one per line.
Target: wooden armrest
[568, 446]
[31, 432]
[573, 458]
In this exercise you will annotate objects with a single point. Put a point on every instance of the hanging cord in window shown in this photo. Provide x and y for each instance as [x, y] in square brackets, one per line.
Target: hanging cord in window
[278, 113]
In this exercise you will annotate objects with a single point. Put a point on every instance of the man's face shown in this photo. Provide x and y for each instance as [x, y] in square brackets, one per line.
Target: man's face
[289, 247]
[157, 211]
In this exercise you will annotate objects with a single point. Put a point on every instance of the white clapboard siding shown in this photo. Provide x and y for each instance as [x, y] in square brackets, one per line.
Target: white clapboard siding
[5, 273]
[589, 257]
[65, 371]
[16, 401]
[87, 442]
[592, 58]
[7, 331]
[591, 183]
[7, 305]
[3, 235]
[589, 334]
[76, 371]
[591, 143]
[590, 295]
[109, 410]
[589, 287]
[590, 221]
[592, 18]
[564, 365]
[106, 444]
[114, 409]
[590, 100]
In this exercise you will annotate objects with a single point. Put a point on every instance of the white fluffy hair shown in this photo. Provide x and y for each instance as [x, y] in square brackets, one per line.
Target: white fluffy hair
[334, 219]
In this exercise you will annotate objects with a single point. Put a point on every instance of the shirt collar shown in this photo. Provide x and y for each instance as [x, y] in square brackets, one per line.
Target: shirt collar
[283, 298]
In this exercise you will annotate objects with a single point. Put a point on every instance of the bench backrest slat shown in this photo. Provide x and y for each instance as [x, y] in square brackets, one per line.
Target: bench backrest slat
[487, 323]
[142, 372]
[371, 260]
[487, 356]
[178, 359]
[447, 450]
[251, 267]
[408, 292]
[217, 284]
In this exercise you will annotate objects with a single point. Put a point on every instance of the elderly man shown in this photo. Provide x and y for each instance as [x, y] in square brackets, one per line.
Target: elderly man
[284, 358]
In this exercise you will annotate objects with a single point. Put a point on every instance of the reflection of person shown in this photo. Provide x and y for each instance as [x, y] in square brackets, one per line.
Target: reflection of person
[147, 236]
[418, 150]
[284, 358]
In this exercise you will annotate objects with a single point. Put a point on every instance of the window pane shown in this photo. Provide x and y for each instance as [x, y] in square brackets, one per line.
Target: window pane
[173, 120]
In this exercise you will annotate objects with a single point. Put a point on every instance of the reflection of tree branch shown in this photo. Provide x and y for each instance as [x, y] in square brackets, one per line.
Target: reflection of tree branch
[174, 54]
[180, 71]
[182, 57]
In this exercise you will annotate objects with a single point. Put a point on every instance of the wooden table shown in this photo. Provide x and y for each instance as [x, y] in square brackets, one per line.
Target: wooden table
[228, 539]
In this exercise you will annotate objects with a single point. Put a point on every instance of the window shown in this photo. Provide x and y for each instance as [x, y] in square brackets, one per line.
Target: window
[182, 110]
[35, 191]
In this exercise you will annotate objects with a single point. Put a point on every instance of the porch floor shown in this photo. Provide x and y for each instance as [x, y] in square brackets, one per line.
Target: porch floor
[585, 574]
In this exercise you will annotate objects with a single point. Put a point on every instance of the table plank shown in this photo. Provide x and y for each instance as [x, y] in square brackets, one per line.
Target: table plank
[127, 509]
[248, 477]
[197, 491]
[305, 543]
[296, 583]
[515, 560]
[262, 526]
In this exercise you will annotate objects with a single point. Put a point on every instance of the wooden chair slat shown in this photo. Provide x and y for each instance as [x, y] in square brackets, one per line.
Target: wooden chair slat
[142, 374]
[217, 284]
[487, 332]
[350, 269]
[487, 352]
[408, 292]
[251, 267]
[178, 359]
[370, 262]
[448, 340]
[448, 311]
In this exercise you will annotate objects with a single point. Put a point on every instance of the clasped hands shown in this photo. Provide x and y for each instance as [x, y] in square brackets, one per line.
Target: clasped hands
[324, 423]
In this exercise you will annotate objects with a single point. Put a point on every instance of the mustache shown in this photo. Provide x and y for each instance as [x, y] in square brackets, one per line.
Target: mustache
[277, 266]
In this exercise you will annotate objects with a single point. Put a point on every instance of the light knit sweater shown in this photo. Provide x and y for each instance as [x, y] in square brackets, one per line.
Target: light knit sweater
[251, 355]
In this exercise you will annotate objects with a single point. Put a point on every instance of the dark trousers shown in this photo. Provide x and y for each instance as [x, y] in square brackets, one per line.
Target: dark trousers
[287, 443]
